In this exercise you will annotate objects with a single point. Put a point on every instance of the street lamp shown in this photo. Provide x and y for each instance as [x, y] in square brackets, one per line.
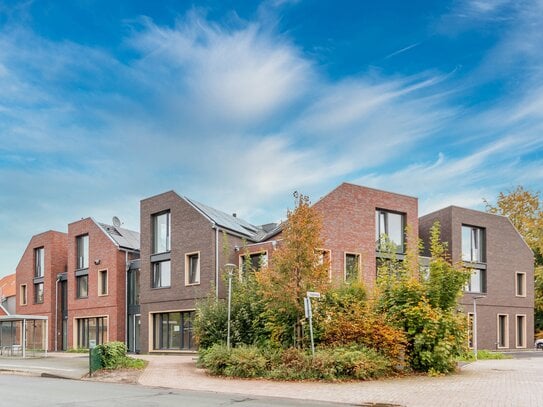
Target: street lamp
[230, 270]
[475, 298]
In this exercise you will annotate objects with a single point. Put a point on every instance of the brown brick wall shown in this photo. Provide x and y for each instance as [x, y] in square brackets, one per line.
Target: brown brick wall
[506, 254]
[55, 245]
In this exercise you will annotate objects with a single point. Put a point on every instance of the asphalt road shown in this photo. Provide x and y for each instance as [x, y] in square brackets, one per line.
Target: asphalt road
[28, 391]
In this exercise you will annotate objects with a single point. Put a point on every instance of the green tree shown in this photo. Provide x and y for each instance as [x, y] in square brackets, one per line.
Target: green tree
[293, 270]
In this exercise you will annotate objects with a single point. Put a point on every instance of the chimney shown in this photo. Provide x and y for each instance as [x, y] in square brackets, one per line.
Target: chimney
[234, 215]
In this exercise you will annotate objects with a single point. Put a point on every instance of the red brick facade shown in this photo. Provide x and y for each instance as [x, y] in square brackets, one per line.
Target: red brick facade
[54, 244]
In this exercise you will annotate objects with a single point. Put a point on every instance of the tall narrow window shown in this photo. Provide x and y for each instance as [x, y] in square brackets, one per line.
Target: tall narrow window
[503, 329]
[192, 268]
[161, 233]
[22, 294]
[390, 227]
[473, 244]
[82, 252]
[38, 293]
[82, 286]
[39, 262]
[161, 274]
[102, 282]
[521, 331]
[520, 284]
[352, 267]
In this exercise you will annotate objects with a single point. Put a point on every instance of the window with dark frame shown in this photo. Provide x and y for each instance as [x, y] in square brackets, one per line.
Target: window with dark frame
[352, 267]
[473, 244]
[389, 227]
[173, 331]
[82, 243]
[82, 286]
[476, 282]
[22, 291]
[38, 293]
[161, 233]
[161, 274]
[193, 268]
[91, 329]
[102, 282]
[39, 262]
[254, 261]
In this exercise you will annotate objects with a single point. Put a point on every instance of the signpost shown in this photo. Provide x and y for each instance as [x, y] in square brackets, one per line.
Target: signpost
[309, 315]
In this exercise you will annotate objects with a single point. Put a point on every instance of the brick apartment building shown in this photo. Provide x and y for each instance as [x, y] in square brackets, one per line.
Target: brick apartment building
[38, 278]
[110, 290]
[502, 280]
[98, 259]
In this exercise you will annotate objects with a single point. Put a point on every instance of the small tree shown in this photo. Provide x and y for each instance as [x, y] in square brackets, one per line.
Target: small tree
[294, 269]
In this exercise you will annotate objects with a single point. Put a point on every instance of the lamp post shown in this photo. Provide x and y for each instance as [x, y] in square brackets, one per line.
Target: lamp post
[475, 298]
[230, 270]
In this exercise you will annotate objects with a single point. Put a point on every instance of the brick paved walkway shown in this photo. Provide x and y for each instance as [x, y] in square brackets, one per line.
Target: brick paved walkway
[512, 382]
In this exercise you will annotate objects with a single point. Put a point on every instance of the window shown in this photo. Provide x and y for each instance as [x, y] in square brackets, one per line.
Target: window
[38, 293]
[82, 252]
[82, 286]
[192, 268]
[477, 281]
[520, 284]
[254, 261]
[352, 267]
[324, 257]
[161, 274]
[161, 233]
[22, 294]
[470, 329]
[503, 329]
[390, 226]
[473, 243]
[91, 329]
[521, 331]
[102, 282]
[173, 331]
[39, 262]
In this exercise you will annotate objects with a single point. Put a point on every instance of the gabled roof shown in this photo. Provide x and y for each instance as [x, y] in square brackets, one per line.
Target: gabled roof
[229, 222]
[124, 238]
[7, 286]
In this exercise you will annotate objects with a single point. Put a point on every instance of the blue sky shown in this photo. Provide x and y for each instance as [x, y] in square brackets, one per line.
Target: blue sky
[237, 104]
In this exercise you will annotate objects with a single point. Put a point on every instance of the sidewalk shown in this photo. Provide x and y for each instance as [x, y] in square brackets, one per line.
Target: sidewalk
[512, 382]
[63, 365]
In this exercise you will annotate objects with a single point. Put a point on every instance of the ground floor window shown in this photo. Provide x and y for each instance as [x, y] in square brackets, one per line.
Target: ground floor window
[503, 329]
[173, 331]
[91, 329]
[521, 331]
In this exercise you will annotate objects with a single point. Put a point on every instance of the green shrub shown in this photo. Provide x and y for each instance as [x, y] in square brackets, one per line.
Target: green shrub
[113, 356]
[214, 359]
[483, 355]
[246, 361]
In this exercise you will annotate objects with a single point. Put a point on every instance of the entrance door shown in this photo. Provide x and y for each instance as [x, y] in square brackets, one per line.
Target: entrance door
[137, 333]
[64, 313]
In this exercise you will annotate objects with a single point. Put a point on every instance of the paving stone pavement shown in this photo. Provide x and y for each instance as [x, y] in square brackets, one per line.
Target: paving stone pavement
[496, 383]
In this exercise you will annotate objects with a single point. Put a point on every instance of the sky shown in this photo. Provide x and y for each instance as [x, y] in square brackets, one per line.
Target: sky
[237, 104]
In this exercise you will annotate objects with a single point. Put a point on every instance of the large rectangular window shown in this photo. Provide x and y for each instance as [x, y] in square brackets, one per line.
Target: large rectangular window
[82, 243]
[520, 284]
[91, 329]
[161, 233]
[38, 293]
[192, 268]
[254, 261]
[82, 286]
[477, 281]
[161, 274]
[173, 331]
[39, 262]
[352, 267]
[390, 227]
[503, 330]
[473, 244]
[521, 331]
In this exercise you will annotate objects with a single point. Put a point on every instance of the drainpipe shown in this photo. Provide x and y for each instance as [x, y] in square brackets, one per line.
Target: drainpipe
[216, 260]
[126, 266]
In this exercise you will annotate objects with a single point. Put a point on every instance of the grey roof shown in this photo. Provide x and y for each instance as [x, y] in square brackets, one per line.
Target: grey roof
[125, 238]
[230, 222]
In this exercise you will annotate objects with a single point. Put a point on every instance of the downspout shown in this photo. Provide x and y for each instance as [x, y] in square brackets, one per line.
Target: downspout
[216, 260]
[126, 266]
